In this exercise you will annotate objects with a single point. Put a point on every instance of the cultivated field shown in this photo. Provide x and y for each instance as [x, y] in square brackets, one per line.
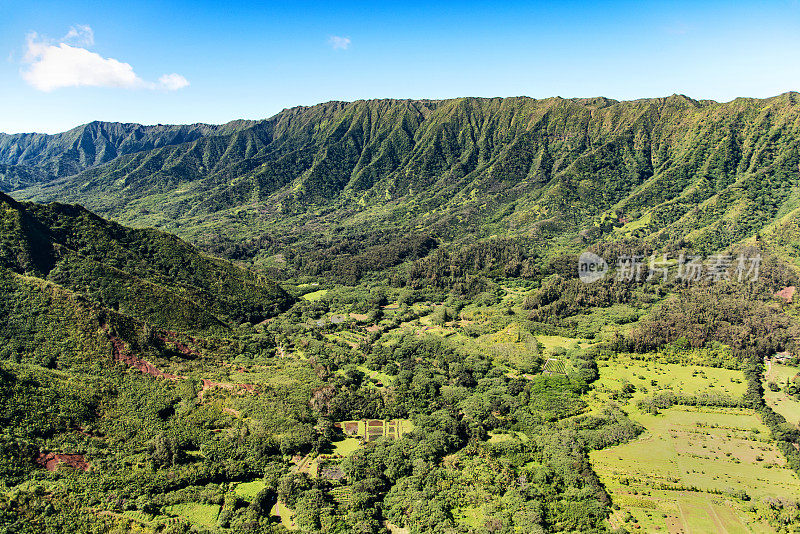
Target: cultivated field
[649, 376]
[780, 401]
[694, 469]
[371, 429]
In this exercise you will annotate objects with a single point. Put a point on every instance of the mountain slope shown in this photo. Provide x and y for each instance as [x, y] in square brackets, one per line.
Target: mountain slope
[92, 144]
[673, 170]
[147, 274]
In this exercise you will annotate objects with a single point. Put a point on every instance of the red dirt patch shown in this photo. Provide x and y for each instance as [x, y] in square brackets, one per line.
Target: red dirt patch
[172, 339]
[787, 293]
[119, 353]
[373, 328]
[51, 460]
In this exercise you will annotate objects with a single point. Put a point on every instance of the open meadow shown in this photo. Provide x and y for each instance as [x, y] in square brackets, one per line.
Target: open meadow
[694, 469]
[780, 401]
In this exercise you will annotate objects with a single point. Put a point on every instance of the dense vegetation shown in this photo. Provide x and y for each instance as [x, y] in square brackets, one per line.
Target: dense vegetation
[428, 358]
[96, 143]
[340, 179]
[143, 273]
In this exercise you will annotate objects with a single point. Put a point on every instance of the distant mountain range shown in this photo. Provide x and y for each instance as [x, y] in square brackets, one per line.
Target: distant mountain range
[96, 143]
[673, 170]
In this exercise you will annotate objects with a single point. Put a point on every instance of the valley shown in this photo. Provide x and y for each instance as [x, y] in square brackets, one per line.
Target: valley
[368, 317]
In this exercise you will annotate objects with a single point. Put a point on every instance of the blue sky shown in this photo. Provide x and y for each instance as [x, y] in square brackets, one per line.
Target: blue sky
[67, 63]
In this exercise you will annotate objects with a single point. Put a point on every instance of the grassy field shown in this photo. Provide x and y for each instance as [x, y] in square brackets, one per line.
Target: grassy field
[202, 515]
[315, 295]
[628, 229]
[346, 447]
[468, 516]
[286, 515]
[686, 512]
[651, 376]
[376, 375]
[779, 373]
[248, 490]
[550, 343]
[694, 469]
[498, 437]
[672, 475]
[780, 401]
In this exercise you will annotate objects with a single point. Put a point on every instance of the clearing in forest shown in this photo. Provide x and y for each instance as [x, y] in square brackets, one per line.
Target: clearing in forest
[285, 514]
[315, 295]
[782, 401]
[199, 514]
[649, 376]
[372, 429]
[248, 490]
[552, 343]
[694, 469]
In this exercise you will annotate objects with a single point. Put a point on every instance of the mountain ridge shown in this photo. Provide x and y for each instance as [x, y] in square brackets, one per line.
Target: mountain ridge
[673, 167]
[97, 142]
[147, 274]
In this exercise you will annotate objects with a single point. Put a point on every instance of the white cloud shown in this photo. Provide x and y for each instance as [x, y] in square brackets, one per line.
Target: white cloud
[173, 82]
[52, 66]
[80, 35]
[339, 43]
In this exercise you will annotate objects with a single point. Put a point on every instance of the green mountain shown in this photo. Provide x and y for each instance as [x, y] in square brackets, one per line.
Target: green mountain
[20, 176]
[68, 153]
[672, 170]
[444, 368]
[146, 274]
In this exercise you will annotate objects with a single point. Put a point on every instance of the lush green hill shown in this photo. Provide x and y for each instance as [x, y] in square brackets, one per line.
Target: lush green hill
[20, 176]
[463, 322]
[143, 273]
[669, 169]
[92, 144]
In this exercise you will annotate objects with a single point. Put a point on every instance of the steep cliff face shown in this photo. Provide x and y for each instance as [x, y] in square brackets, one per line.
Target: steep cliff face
[672, 168]
[92, 144]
